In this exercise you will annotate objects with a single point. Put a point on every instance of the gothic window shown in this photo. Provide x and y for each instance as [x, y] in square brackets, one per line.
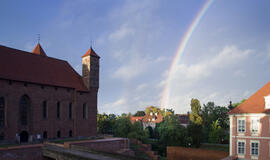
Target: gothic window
[58, 110]
[2, 136]
[70, 111]
[58, 134]
[44, 109]
[2, 111]
[84, 111]
[45, 135]
[70, 133]
[24, 106]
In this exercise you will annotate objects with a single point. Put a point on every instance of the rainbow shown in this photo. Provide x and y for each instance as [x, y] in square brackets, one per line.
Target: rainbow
[180, 51]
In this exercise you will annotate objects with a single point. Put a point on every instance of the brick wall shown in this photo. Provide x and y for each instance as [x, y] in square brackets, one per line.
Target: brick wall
[105, 145]
[37, 125]
[194, 154]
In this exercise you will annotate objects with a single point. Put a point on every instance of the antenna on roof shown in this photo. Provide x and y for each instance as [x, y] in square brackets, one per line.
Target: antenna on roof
[91, 43]
[38, 38]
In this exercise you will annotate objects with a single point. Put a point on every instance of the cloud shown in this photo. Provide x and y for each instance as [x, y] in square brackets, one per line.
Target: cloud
[195, 80]
[121, 33]
[228, 57]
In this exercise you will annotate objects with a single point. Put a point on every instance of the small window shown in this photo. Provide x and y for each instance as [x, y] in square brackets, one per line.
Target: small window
[70, 111]
[25, 84]
[70, 133]
[58, 110]
[241, 147]
[10, 82]
[254, 148]
[241, 125]
[42, 86]
[44, 104]
[58, 134]
[56, 88]
[45, 135]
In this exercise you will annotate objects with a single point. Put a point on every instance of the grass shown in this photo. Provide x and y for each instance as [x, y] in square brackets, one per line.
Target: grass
[216, 147]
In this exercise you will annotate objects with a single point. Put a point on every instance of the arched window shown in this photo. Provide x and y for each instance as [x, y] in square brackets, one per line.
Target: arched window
[70, 111]
[70, 133]
[45, 135]
[2, 112]
[44, 109]
[24, 107]
[58, 110]
[58, 134]
[85, 111]
[2, 136]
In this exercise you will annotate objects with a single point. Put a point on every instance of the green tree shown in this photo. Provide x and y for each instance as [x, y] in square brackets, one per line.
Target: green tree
[238, 103]
[122, 126]
[215, 132]
[171, 132]
[195, 115]
[139, 114]
[195, 128]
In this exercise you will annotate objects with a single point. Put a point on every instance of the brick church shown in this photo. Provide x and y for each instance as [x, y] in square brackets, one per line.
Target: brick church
[44, 97]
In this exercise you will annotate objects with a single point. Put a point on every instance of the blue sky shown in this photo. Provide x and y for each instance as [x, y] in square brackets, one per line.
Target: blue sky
[227, 57]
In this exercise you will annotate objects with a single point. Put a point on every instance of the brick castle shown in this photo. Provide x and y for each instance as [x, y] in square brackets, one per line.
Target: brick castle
[44, 97]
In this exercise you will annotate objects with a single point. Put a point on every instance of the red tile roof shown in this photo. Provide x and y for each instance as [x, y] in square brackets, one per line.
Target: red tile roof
[149, 118]
[27, 67]
[91, 52]
[38, 50]
[255, 103]
[134, 119]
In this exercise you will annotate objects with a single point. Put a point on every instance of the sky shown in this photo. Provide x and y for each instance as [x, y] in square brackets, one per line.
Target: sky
[226, 58]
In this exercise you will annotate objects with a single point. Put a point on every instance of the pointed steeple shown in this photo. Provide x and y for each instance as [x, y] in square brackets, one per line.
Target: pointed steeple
[91, 52]
[38, 50]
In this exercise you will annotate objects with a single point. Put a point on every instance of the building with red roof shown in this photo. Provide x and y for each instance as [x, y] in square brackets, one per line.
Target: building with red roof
[250, 126]
[45, 97]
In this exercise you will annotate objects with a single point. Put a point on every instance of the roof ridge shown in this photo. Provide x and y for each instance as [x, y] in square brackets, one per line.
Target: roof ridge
[31, 54]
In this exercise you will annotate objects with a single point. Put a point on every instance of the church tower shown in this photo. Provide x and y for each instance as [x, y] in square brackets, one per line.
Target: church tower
[90, 69]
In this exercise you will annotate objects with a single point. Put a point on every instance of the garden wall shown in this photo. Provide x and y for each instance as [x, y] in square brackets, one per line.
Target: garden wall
[194, 154]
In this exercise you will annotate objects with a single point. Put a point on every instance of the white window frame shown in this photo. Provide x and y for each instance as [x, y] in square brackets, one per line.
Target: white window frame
[245, 126]
[241, 154]
[256, 119]
[254, 156]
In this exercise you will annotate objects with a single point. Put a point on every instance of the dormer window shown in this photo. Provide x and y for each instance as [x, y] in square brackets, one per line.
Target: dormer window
[267, 102]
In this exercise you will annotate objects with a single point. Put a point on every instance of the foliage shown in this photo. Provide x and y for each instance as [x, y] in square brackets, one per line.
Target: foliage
[152, 109]
[215, 132]
[195, 128]
[238, 103]
[212, 113]
[122, 126]
[171, 132]
[195, 115]
[139, 114]
[105, 123]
